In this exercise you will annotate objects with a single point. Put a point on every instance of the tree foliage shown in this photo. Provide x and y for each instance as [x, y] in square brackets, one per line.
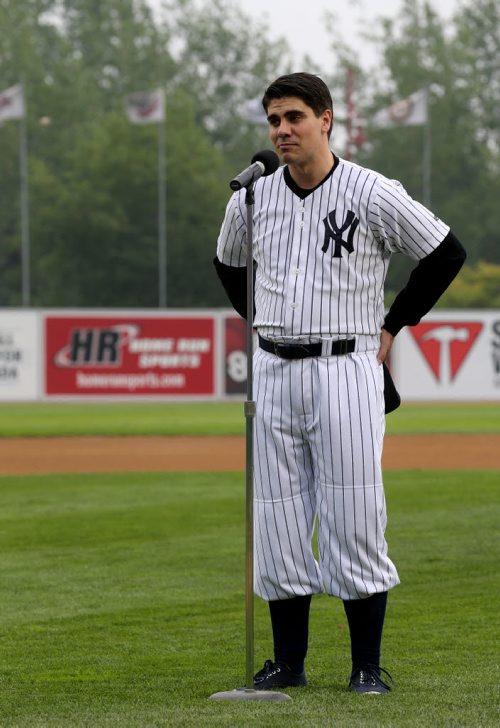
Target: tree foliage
[93, 176]
[478, 286]
[465, 179]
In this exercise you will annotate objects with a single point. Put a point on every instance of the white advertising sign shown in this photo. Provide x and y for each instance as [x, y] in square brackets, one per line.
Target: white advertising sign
[449, 355]
[20, 358]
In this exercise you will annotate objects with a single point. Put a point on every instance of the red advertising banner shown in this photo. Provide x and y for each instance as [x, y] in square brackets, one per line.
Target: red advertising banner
[235, 355]
[129, 355]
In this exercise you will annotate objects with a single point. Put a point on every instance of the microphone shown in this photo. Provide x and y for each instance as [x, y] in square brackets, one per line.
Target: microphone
[263, 163]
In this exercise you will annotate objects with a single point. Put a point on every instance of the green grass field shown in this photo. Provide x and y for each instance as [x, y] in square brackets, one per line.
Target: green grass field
[227, 418]
[123, 605]
[123, 594]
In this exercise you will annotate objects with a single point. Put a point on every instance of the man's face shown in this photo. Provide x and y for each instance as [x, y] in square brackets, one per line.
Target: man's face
[296, 132]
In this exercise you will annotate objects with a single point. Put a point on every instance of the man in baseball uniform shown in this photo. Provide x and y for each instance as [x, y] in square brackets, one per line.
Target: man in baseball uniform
[324, 233]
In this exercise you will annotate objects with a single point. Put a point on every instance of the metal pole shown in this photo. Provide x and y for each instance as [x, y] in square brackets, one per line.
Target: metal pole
[248, 692]
[427, 154]
[25, 227]
[162, 228]
[250, 416]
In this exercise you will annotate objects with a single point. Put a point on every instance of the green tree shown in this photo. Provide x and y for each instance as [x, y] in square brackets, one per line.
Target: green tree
[71, 87]
[476, 61]
[478, 286]
[93, 176]
[10, 239]
[476, 58]
[25, 40]
[120, 44]
[224, 58]
[100, 241]
[465, 162]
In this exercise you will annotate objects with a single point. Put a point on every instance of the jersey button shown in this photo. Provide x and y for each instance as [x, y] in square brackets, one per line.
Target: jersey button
[294, 305]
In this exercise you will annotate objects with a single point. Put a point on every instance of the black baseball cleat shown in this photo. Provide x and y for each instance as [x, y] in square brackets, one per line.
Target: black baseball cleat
[277, 675]
[367, 680]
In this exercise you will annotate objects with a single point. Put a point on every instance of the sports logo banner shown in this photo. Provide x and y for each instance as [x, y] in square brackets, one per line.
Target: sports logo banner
[129, 355]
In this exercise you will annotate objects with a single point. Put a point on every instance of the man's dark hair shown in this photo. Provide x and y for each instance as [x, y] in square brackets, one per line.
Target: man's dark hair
[311, 89]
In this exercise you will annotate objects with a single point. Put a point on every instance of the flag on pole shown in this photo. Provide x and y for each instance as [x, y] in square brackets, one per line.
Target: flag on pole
[411, 111]
[12, 103]
[146, 107]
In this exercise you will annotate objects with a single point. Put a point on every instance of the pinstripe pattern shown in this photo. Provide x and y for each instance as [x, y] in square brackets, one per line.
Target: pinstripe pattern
[301, 291]
[319, 432]
[321, 268]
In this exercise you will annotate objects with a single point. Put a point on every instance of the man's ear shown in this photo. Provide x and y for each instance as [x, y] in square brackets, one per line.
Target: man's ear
[327, 118]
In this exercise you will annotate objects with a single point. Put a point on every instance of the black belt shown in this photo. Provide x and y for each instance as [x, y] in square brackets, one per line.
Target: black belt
[302, 351]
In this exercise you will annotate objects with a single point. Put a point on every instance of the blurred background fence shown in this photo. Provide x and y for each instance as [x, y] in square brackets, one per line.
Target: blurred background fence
[200, 354]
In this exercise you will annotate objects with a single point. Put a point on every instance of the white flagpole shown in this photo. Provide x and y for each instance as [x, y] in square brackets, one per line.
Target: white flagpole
[427, 153]
[162, 231]
[25, 226]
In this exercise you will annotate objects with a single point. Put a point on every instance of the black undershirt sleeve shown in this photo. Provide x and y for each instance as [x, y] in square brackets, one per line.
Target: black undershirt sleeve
[426, 284]
[234, 282]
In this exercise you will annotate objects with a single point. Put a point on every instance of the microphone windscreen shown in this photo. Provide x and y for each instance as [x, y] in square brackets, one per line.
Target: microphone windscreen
[269, 159]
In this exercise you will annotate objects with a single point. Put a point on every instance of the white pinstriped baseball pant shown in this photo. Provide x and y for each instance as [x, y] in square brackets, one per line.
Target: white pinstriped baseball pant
[318, 445]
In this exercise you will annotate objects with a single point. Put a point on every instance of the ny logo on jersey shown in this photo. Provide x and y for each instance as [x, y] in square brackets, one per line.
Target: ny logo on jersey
[333, 232]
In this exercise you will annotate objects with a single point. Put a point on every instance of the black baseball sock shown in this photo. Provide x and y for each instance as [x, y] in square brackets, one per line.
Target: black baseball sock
[290, 623]
[366, 621]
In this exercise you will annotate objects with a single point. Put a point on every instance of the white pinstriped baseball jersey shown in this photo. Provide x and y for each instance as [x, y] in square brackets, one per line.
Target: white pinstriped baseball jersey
[322, 260]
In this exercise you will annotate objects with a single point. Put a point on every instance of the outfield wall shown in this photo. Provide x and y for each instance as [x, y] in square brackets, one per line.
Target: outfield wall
[200, 354]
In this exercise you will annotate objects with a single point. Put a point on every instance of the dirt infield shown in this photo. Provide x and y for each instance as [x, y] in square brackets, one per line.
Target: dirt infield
[157, 454]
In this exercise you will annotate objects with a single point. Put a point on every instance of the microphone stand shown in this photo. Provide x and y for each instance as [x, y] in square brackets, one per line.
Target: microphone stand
[249, 409]
[248, 692]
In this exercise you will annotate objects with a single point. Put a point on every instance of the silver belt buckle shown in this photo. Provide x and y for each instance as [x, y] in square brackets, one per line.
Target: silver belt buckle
[326, 347]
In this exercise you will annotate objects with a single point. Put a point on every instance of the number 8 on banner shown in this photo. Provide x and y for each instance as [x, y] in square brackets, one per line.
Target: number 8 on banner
[235, 358]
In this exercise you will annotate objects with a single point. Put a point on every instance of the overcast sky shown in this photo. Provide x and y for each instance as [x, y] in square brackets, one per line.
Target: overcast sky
[301, 22]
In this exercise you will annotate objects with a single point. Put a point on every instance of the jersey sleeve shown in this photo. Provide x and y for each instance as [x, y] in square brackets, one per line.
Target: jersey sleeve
[426, 284]
[403, 225]
[231, 244]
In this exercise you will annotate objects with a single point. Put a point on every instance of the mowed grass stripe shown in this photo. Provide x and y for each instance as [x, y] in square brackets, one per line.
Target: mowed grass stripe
[56, 419]
[123, 605]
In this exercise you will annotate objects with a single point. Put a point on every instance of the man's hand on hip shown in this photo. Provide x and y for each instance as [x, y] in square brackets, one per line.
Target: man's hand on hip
[386, 341]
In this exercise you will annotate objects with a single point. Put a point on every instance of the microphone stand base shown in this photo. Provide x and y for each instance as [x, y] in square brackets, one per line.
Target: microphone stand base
[250, 694]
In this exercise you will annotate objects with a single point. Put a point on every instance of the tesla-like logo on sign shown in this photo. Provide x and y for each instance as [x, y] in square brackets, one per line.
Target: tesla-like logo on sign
[445, 345]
